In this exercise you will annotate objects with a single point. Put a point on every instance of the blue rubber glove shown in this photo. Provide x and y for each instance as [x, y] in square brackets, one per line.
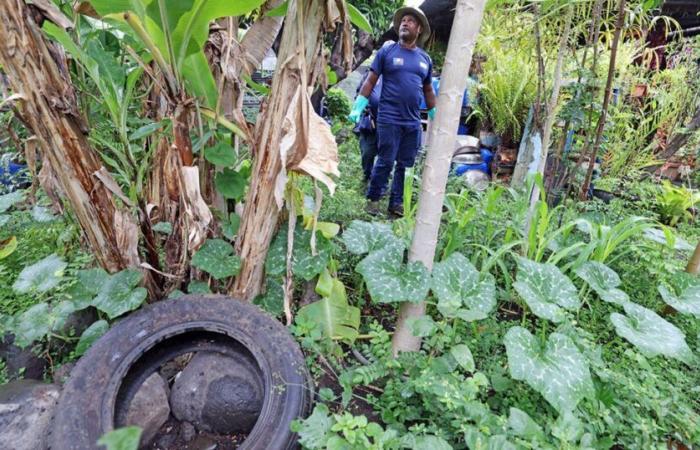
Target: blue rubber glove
[431, 113]
[361, 103]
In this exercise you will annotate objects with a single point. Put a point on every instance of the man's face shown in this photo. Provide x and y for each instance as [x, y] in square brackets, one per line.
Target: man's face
[410, 28]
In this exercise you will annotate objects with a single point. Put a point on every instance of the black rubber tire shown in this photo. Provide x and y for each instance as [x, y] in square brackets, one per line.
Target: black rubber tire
[107, 376]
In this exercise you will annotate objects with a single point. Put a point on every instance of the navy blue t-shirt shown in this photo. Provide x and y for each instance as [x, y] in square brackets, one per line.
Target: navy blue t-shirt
[404, 73]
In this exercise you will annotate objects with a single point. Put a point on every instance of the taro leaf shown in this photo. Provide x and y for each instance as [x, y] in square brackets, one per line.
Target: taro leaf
[198, 287]
[313, 432]
[32, 325]
[336, 318]
[119, 293]
[523, 426]
[163, 227]
[8, 247]
[684, 296]
[4, 218]
[545, 289]
[389, 280]
[273, 299]
[304, 263]
[89, 336]
[455, 282]
[221, 155]
[216, 257]
[422, 326]
[365, 237]
[559, 371]
[650, 333]
[463, 355]
[41, 276]
[126, 438]
[603, 280]
[230, 184]
[7, 200]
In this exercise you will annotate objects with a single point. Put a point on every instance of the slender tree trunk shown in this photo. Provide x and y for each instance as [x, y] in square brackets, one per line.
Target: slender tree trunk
[619, 25]
[261, 211]
[50, 109]
[694, 263]
[465, 30]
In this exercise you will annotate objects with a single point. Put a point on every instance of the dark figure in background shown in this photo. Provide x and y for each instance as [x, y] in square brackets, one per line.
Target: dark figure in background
[406, 72]
[367, 129]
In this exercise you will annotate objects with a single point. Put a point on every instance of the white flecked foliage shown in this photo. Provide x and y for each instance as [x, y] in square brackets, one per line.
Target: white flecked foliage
[558, 371]
[42, 276]
[603, 280]
[365, 237]
[389, 280]
[460, 289]
[546, 290]
[684, 297]
[650, 333]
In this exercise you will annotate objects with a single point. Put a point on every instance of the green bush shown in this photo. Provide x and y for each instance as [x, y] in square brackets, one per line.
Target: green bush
[338, 104]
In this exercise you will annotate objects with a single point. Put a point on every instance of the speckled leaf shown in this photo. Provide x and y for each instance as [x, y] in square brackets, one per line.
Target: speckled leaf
[389, 280]
[273, 299]
[41, 276]
[684, 296]
[545, 289]
[650, 333]
[198, 287]
[460, 292]
[163, 227]
[120, 293]
[365, 237]
[304, 263]
[7, 200]
[603, 280]
[463, 355]
[216, 257]
[559, 371]
[42, 214]
[31, 325]
[89, 336]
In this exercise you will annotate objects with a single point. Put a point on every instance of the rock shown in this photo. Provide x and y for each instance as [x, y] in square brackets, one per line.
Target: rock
[219, 393]
[26, 408]
[21, 362]
[187, 431]
[149, 409]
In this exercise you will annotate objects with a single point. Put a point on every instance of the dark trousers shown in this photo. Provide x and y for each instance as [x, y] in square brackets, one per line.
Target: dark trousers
[368, 151]
[396, 143]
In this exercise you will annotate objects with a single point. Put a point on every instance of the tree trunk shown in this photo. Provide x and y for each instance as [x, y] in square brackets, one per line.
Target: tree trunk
[261, 213]
[694, 263]
[465, 30]
[50, 110]
[583, 194]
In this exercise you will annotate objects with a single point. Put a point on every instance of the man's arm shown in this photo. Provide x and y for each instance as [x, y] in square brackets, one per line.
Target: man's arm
[369, 83]
[429, 94]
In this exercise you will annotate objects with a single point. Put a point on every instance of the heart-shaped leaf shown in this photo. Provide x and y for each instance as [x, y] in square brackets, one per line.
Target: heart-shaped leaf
[545, 289]
[422, 326]
[273, 299]
[650, 333]
[41, 276]
[337, 319]
[304, 263]
[120, 293]
[603, 280]
[89, 336]
[558, 371]
[684, 296]
[389, 280]
[460, 292]
[32, 325]
[230, 184]
[7, 200]
[87, 286]
[463, 356]
[217, 258]
[365, 237]
[221, 155]
[198, 287]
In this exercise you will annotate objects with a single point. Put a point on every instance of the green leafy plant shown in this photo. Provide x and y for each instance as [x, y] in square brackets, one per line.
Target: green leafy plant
[126, 438]
[338, 104]
[684, 293]
[675, 201]
[546, 290]
[603, 280]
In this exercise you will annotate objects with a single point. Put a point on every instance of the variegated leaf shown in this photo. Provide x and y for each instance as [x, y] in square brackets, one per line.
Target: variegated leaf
[389, 280]
[650, 333]
[559, 371]
[545, 289]
[365, 237]
[603, 280]
[461, 291]
[41, 276]
[684, 296]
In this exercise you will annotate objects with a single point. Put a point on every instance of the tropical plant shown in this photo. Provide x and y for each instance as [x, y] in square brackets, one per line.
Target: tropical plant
[675, 202]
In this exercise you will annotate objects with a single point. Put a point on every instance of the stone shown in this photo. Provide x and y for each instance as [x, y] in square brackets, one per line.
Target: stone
[187, 431]
[219, 393]
[21, 362]
[26, 408]
[149, 408]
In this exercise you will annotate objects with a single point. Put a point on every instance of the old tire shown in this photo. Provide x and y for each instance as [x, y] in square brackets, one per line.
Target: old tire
[100, 388]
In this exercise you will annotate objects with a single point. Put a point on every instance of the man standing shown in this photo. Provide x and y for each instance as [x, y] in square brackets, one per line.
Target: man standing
[366, 129]
[406, 72]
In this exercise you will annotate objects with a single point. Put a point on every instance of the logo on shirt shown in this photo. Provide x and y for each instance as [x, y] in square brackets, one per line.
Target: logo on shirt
[398, 61]
[424, 66]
